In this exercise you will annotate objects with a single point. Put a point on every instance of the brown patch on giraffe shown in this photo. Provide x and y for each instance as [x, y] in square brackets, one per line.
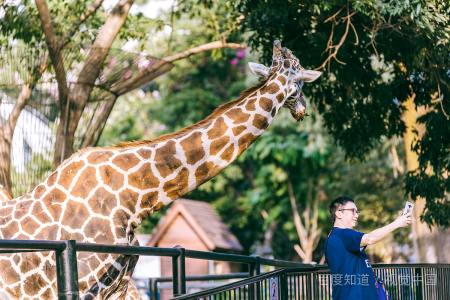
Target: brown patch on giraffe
[120, 221]
[228, 153]
[238, 130]
[75, 215]
[217, 145]
[5, 215]
[22, 209]
[10, 230]
[48, 294]
[176, 186]
[128, 199]
[203, 171]
[102, 202]
[52, 179]
[98, 157]
[286, 64]
[49, 270]
[111, 177]
[30, 261]
[145, 153]
[280, 97]
[274, 111]
[48, 233]
[287, 73]
[272, 88]
[99, 230]
[245, 141]
[143, 178]
[237, 115]
[86, 182]
[16, 259]
[250, 106]
[40, 214]
[66, 235]
[266, 104]
[69, 172]
[14, 291]
[33, 284]
[93, 262]
[218, 129]
[260, 122]
[126, 161]
[39, 191]
[282, 79]
[148, 201]
[193, 148]
[166, 163]
[29, 225]
[8, 274]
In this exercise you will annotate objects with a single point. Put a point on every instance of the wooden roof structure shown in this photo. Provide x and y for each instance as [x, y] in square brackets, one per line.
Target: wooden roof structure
[204, 221]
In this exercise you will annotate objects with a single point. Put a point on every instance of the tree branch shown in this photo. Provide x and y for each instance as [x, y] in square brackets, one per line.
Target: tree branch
[297, 220]
[10, 124]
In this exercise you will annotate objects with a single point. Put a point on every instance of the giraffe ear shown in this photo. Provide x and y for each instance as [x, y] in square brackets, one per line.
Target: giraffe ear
[259, 70]
[307, 76]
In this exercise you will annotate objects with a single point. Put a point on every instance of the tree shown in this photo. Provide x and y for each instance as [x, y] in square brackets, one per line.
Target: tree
[71, 26]
[377, 56]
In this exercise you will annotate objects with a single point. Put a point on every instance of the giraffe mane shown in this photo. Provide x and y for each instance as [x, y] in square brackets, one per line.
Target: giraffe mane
[216, 113]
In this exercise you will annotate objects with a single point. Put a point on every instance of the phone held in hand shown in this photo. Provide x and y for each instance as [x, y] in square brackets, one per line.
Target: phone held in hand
[408, 208]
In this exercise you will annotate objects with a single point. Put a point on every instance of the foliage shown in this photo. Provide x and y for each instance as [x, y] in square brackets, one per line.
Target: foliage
[374, 55]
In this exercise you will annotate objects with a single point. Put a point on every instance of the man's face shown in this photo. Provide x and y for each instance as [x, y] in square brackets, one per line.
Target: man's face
[346, 215]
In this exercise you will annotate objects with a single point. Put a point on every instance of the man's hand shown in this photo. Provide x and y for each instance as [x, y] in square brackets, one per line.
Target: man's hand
[403, 221]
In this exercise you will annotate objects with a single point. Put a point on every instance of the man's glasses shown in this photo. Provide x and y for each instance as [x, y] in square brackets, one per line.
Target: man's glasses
[354, 210]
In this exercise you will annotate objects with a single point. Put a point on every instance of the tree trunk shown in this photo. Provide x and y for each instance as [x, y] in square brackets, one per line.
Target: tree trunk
[424, 239]
[5, 165]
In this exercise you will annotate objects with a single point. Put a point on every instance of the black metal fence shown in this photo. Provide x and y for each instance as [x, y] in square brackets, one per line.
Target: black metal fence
[403, 281]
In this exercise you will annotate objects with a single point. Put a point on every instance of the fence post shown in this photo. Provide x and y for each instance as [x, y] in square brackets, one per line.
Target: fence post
[179, 273]
[153, 288]
[253, 270]
[418, 274]
[67, 272]
[283, 287]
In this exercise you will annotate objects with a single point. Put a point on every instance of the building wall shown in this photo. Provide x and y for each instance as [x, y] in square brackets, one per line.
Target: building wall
[180, 233]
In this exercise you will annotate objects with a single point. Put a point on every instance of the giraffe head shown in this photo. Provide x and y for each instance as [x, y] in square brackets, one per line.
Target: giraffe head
[284, 62]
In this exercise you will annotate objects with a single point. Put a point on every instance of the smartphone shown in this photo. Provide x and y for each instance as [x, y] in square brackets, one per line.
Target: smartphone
[408, 208]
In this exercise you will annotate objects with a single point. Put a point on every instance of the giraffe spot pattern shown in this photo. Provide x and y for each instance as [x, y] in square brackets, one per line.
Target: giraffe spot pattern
[274, 112]
[86, 182]
[102, 202]
[280, 97]
[10, 230]
[75, 215]
[52, 179]
[228, 153]
[260, 122]
[126, 161]
[66, 235]
[33, 284]
[68, 173]
[98, 157]
[166, 163]
[217, 145]
[286, 64]
[99, 230]
[272, 88]
[128, 199]
[5, 215]
[238, 130]
[174, 187]
[237, 115]
[29, 262]
[245, 141]
[148, 201]
[266, 104]
[53, 202]
[29, 225]
[145, 153]
[282, 79]
[120, 221]
[8, 274]
[203, 170]
[111, 177]
[218, 129]
[143, 178]
[39, 191]
[193, 148]
[250, 106]
[40, 214]
[22, 209]
[48, 233]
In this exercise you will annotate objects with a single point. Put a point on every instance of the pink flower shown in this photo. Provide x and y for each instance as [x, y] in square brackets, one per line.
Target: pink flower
[234, 61]
[240, 54]
[127, 74]
[112, 62]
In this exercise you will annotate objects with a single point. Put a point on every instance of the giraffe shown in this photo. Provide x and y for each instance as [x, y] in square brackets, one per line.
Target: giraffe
[100, 195]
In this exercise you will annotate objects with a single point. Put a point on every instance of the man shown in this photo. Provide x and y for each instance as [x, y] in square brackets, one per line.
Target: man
[353, 277]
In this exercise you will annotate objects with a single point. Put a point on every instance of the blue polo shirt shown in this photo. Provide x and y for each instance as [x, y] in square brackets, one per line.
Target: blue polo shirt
[352, 274]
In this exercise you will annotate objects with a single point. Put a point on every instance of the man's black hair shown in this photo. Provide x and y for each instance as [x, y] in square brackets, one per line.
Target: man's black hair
[337, 204]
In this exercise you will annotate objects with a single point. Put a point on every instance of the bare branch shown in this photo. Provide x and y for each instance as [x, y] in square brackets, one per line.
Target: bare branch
[297, 220]
[300, 252]
[143, 76]
[10, 124]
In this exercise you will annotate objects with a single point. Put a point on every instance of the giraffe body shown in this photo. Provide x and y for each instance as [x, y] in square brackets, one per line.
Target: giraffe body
[100, 195]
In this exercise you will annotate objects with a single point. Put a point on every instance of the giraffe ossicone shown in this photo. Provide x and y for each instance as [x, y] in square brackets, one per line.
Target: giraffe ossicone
[100, 195]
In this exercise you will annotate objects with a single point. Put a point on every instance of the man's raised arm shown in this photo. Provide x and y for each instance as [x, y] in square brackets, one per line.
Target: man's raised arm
[380, 233]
